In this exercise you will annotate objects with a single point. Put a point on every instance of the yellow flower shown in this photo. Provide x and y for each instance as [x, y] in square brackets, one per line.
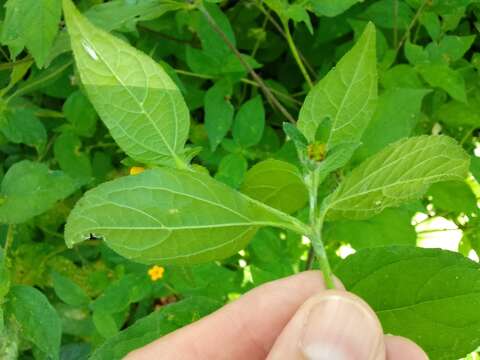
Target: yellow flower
[156, 272]
[135, 170]
[316, 151]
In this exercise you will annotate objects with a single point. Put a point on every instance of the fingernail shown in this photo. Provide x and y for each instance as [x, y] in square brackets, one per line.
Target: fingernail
[339, 328]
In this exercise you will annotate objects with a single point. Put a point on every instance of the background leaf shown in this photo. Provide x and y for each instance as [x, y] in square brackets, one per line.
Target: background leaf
[31, 23]
[427, 295]
[154, 326]
[28, 189]
[277, 184]
[39, 320]
[249, 123]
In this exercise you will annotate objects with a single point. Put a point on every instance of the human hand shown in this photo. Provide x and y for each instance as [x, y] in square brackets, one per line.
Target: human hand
[292, 318]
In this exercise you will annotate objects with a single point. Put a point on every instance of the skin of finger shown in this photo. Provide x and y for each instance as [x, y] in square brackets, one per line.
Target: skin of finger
[288, 344]
[400, 348]
[243, 329]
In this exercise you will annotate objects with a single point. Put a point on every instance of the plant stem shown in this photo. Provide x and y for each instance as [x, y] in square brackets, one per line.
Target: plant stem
[316, 218]
[296, 56]
[277, 26]
[410, 26]
[286, 97]
[9, 238]
[268, 94]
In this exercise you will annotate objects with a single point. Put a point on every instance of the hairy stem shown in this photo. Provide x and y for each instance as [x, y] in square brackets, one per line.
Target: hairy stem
[268, 94]
[316, 219]
[293, 49]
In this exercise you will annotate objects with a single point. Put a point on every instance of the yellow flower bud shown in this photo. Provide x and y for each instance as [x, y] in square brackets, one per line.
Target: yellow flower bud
[316, 151]
[135, 170]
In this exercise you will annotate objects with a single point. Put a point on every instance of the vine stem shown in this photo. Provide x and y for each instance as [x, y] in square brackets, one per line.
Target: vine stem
[316, 224]
[296, 55]
[270, 97]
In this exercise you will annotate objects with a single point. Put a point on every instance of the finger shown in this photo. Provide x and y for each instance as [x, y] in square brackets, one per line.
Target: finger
[399, 348]
[243, 329]
[331, 325]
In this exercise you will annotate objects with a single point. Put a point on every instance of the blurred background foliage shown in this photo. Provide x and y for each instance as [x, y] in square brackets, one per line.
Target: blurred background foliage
[87, 301]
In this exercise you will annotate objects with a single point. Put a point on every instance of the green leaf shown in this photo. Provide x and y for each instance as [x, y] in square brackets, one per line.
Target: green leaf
[211, 280]
[401, 76]
[121, 293]
[81, 114]
[390, 227]
[454, 196]
[155, 325]
[346, 95]
[142, 107]
[232, 170]
[475, 167]
[296, 136]
[29, 189]
[123, 15]
[385, 15]
[455, 114]
[249, 123]
[31, 23]
[39, 321]
[336, 158]
[277, 184]
[68, 291]
[427, 295]
[171, 217]
[396, 116]
[72, 161]
[218, 112]
[445, 78]
[21, 126]
[331, 8]
[401, 172]
[274, 254]
[449, 49]
[105, 324]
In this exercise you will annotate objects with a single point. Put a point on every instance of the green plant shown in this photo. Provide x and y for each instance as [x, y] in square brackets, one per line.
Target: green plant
[286, 195]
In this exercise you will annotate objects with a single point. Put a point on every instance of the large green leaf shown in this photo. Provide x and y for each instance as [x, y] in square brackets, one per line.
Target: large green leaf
[428, 295]
[142, 107]
[346, 95]
[28, 189]
[38, 319]
[401, 172]
[31, 23]
[155, 325]
[276, 183]
[171, 216]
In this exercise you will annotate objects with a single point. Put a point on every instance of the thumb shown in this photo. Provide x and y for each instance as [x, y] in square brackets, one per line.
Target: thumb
[333, 325]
